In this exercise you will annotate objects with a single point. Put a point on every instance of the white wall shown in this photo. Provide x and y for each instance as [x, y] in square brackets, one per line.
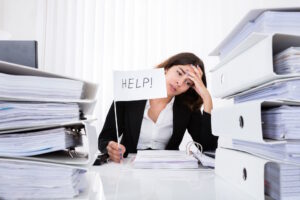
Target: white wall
[18, 17]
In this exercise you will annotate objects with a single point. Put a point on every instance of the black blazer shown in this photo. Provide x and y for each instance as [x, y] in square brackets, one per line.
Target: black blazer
[130, 116]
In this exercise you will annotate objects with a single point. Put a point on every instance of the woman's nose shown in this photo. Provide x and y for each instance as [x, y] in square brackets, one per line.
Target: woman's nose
[179, 82]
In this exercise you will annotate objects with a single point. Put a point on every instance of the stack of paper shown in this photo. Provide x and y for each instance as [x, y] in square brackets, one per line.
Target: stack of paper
[282, 89]
[38, 142]
[26, 114]
[282, 181]
[281, 122]
[288, 151]
[268, 22]
[29, 180]
[34, 87]
[287, 61]
[165, 159]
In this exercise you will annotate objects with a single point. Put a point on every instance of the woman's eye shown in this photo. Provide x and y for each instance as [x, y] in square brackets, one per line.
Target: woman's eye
[188, 83]
[179, 73]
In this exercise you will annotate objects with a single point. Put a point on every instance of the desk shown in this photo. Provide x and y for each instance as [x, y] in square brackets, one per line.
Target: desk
[122, 181]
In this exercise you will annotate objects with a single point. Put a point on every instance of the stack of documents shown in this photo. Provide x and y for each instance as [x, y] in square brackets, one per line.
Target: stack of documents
[268, 22]
[282, 181]
[43, 88]
[289, 151]
[38, 142]
[26, 114]
[165, 159]
[287, 61]
[281, 122]
[31, 180]
[282, 89]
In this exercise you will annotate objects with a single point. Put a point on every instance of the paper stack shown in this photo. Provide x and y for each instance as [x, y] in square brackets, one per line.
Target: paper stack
[267, 22]
[165, 159]
[47, 143]
[261, 73]
[281, 182]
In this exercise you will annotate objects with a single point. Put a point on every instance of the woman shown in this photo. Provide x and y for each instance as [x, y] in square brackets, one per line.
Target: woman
[161, 123]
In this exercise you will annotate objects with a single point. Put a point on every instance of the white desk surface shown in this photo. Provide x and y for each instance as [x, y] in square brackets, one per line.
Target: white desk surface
[122, 181]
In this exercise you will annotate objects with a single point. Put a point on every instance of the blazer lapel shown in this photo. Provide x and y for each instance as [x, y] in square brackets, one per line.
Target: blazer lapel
[180, 119]
[136, 118]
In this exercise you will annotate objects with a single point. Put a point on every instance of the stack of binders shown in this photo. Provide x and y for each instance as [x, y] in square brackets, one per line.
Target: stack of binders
[259, 136]
[47, 141]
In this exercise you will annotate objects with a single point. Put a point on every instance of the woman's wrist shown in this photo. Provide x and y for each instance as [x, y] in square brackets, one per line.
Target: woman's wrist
[207, 103]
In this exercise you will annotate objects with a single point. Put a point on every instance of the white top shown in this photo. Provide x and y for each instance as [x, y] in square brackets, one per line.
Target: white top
[156, 135]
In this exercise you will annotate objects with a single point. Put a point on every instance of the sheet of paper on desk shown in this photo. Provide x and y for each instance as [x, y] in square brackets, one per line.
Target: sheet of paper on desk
[164, 159]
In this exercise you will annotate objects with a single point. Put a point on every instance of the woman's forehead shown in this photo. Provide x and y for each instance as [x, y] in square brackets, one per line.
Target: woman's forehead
[185, 67]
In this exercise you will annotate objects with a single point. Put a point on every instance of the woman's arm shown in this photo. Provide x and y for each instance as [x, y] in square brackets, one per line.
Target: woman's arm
[107, 141]
[199, 87]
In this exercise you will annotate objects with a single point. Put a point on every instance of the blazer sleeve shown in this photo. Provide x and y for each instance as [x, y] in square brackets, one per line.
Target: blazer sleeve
[199, 128]
[109, 131]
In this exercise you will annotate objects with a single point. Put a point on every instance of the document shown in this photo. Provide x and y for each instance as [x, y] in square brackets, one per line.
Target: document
[287, 61]
[282, 181]
[35, 87]
[281, 123]
[38, 142]
[284, 152]
[164, 159]
[282, 90]
[15, 115]
[268, 22]
[31, 180]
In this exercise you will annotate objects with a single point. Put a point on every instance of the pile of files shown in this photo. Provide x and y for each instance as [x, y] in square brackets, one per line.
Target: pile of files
[165, 159]
[169, 159]
[266, 22]
[47, 141]
[259, 140]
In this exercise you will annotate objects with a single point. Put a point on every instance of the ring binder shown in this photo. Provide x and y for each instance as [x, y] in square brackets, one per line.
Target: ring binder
[203, 159]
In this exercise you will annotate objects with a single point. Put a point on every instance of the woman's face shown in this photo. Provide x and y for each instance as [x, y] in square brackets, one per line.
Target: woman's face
[177, 79]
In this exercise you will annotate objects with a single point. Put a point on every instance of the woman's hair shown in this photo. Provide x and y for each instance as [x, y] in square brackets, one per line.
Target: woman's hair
[191, 98]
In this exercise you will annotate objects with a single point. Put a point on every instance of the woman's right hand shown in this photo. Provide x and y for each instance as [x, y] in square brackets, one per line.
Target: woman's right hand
[115, 151]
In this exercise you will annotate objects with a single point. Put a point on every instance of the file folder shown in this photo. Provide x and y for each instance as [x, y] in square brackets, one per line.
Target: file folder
[86, 103]
[251, 175]
[242, 170]
[89, 88]
[91, 187]
[81, 157]
[243, 121]
[252, 67]
[250, 17]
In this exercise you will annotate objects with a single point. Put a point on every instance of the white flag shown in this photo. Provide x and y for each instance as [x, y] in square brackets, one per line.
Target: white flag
[141, 84]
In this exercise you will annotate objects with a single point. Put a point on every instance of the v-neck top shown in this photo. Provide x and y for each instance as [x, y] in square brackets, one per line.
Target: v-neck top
[156, 135]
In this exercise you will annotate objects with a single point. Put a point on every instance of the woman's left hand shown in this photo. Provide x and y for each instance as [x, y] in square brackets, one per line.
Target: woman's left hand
[199, 87]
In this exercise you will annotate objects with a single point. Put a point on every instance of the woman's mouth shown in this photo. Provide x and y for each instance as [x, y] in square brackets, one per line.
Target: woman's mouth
[173, 89]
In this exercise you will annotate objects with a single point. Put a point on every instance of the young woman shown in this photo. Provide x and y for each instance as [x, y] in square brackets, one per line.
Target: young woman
[161, 123]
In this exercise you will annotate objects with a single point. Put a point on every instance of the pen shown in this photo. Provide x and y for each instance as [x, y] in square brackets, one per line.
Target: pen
[120, 150]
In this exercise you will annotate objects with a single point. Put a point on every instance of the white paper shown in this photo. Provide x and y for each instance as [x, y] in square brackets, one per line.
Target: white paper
[24, 180]
[165, 159]
[137, 85]
[27, 114]
[38, 142]
[268, 22]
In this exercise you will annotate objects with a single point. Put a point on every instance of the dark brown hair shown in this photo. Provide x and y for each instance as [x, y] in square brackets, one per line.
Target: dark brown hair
[191, 98]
